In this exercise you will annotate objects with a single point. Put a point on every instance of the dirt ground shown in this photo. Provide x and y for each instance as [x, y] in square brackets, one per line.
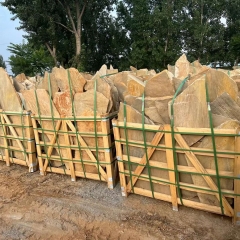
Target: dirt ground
[53, 207]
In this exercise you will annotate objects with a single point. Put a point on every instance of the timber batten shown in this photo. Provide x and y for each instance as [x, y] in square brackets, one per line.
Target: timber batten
[17, 142]
[176, 172]
[77, 146]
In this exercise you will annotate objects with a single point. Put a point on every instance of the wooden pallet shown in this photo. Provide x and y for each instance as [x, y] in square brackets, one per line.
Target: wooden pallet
[17, 143]
[79, 147]
[152, 170]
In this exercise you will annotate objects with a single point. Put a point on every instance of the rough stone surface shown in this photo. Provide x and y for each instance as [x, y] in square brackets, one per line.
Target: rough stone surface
[63, 103]
[9, 99]
[224, 164]
[182, 67]
[77, 80]
[225, 106]
[135, 86]
[160, 85]
[153, 114]
[20, 77]
[190, 109]
[219, 82]
[122, 90]
[49, 80]
[84, 103]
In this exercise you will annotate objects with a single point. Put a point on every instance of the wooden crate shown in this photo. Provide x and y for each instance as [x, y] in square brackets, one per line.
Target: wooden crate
[166, 168]
[79, 147]
[17, 143]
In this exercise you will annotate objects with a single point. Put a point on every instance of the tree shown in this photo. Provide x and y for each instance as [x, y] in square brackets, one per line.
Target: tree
[43, 15]
[36, 19]
[203, 31]
[232, 16]
[104, 41]
[2, 62]
[28, 59]
[153, 30]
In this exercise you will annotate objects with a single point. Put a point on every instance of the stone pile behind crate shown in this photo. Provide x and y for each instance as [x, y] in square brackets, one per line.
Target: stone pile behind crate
[67, 93]
[204, 90]
[16, 133]
[179, 93]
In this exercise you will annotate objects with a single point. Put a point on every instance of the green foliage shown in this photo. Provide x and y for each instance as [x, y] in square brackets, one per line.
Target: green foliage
[143, 33]
[2, 62]
[153, 31]
[204, 35]
[29, 60]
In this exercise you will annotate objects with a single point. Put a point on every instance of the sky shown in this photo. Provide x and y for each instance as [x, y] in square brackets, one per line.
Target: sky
[8, 34]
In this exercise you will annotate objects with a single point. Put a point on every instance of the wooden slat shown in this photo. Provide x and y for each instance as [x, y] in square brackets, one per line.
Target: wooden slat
[180, 168]
[105, 125]
[93, 176]
[14, 133]
[72, 147]
[197, 151]
[53, 140]
[90, 154]
[150, 150]
[188, 203]
[236, 218]
[69, 152]
[39, 151]
[200, 131]
[171, 166]
[6, 151]
[195, 162]
[120, 157]
[183, 185]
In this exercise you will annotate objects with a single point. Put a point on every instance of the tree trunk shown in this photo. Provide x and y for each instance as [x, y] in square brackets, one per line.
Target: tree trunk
[52, 52]
[78, 44]
[236, 62]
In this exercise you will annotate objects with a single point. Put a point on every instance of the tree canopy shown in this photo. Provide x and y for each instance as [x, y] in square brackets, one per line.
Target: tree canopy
[142, 33]
[28, 59]
[2, 62]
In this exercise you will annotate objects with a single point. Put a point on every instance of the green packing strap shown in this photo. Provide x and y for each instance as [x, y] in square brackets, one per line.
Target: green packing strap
[214, 147]
[95, 126]
[173, 139]
[4, 137]
[53, 123]
[42, 130]
[127, 145]
[23, 133]
[75, 123]
[145, 144]
[110, 74]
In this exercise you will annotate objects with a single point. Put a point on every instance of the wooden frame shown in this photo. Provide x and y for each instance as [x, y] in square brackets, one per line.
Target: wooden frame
[17, 140]
[169, 177]
[72, 148]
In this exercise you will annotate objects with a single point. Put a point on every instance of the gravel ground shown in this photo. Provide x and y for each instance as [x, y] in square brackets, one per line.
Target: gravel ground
[53, 207]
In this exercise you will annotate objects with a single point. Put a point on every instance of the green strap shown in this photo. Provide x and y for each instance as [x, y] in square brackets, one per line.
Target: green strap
[145, 145]
[214, 147]
[95, 126]
[173, 139]
[5, 138]
[108, 75]
[75, 123]
[127, 145]
[53, 122]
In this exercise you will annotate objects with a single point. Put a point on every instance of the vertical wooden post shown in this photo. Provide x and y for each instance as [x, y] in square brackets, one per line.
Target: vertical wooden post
[69, 151]
[105, 125]
[31, 145]
[236, 218]
[170, 163]
[39, 151]
[116, 132]
[7, 157]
